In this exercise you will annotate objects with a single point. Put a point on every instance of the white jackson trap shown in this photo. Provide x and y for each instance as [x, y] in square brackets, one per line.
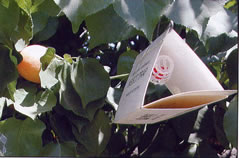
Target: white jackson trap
[168, 61]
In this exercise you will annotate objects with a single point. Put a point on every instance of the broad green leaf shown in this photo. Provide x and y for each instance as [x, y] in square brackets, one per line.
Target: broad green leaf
[232, 68]
[89, 80]
[95, 136]
[208, 18]
[9, 18]
[65, 149]
[47, 57]
[49, 7]
[221, 43]
[8, 71]
[10, 90]
[231, 122]
[194, 42]
[48, 31]
[77, 11]
[70, 99]
[49, 75]
[107, 26]
[126, 61]
[76, 121]
[23, 137]
[31, 104]
[24, 31]
[142, 14]
[40, 20]
[25, 5]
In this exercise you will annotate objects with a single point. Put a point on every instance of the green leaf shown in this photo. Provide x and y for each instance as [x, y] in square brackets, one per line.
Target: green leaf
[107, 26]
[231, 122]
[208, 18]
[7, 68]
[68, 58]
[48, 31]
[90, 80]
[221, 43]
[126, 61]
[49, 7]
[77, 11]
[142, 14]
[24, 30]
[65, 149]
[232, 68]
[49, 75]
[23, 138]
[69, 98]
[47, 57]
[31, 104]
[9, 18]
[95, 136]
[40, 20]
[194, 42]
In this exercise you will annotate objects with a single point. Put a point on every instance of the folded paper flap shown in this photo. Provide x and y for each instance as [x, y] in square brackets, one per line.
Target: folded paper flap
[191, 99]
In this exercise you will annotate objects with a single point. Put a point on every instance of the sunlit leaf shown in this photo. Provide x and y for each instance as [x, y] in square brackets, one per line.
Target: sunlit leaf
[49, 75]
[47, 57]
[142, 14]
[32, 104]
[77, 11]
[208, 18]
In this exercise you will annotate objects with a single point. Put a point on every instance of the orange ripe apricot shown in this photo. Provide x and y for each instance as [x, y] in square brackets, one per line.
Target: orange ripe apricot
[30, 66]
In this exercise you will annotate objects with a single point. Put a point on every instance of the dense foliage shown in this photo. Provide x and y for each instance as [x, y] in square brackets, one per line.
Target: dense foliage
[92, 45]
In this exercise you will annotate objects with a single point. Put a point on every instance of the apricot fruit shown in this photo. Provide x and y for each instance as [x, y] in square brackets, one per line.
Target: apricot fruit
[30, 66]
